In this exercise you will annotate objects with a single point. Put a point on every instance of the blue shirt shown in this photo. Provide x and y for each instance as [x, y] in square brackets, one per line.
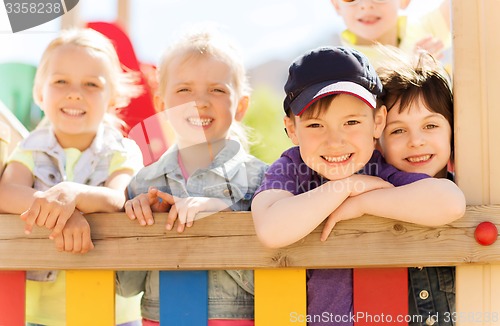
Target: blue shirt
[233, 177]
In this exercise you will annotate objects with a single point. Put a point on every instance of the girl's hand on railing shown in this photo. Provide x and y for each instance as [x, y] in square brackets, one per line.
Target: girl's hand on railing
[185, 210]
[75, 236]
[51, 208]
[142, 206]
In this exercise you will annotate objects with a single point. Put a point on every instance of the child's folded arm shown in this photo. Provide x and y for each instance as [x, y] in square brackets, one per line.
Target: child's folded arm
[16, 189]
[108, 199]
[281, 218]
[430, 202]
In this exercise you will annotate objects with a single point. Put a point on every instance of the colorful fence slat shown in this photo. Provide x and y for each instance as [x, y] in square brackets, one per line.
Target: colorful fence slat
[90, 297]
[184, 297]
[280, 297]
[380, 296]
[12, 297]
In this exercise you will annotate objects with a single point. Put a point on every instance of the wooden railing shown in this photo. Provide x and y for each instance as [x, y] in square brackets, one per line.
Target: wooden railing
[228, 241]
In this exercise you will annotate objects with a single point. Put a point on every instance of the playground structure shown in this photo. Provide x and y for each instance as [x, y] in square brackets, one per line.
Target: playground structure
[227, 240]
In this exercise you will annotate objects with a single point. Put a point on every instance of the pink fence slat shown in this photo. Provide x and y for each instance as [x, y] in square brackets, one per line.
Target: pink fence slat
[12, 297]
[380, 296]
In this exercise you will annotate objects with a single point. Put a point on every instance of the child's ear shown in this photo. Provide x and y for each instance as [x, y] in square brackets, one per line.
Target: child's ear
[379, 121]
[290, 129]
[37, 97]
[402, 5]
[159, 103]
[242, 108]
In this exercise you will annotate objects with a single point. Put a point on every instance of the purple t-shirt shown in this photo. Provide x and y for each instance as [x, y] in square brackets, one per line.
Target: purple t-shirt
[329, 291]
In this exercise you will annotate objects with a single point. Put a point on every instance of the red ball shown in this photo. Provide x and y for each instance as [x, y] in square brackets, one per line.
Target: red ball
[486, 233]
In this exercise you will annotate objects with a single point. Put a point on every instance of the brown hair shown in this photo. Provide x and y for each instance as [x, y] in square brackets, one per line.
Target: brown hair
[405, 81]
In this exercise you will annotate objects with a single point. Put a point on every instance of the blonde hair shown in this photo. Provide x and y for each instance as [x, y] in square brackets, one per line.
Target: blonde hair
[206, 40]
[123, 85]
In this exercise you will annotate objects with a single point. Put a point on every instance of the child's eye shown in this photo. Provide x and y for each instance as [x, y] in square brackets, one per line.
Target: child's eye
[314, 125]
[352, 122]
[397, 131]
[91, 84]
[60, 81]
[219, 90]
[431, 126]
[181, 90]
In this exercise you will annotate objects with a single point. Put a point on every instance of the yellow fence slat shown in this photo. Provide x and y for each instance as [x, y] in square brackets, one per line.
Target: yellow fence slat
[280, 297]
[90, 298]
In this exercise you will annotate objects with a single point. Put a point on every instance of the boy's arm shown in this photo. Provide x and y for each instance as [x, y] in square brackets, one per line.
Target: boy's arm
[281, 218]
[430, 202]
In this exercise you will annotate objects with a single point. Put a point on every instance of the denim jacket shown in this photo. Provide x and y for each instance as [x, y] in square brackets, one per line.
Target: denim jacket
[432, 293]
[233, 177]
[91, 169]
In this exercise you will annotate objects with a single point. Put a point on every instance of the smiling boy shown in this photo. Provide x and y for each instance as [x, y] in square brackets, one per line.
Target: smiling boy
[331, 116]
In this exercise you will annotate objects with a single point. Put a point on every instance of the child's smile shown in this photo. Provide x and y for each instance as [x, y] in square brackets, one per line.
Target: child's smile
[201, 99]
[369, 20]
[337, 159]
[200, 122]
[419, 159]
[417, 140]
[337, 142]
[73, 112]
[76, 94]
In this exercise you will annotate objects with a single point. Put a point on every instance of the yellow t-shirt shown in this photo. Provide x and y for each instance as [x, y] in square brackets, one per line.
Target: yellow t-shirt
[411, 29]
[46, 301]
[430, 24]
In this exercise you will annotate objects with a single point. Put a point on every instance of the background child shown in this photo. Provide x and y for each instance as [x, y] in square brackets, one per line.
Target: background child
[331, 115]
[203, 90]
[418, 138]
[370, 22]
[75, 163]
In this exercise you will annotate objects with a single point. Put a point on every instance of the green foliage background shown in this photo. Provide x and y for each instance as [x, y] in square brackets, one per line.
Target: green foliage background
[265, 118]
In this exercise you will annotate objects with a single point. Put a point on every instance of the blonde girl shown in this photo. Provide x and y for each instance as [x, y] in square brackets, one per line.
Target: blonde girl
[204, 93]
[76, 162]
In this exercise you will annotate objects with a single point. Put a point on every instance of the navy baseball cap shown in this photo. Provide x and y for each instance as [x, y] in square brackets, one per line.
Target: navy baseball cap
[330, 70]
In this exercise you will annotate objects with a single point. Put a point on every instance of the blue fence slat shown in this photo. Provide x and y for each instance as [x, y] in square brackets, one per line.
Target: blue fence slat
[184, 297]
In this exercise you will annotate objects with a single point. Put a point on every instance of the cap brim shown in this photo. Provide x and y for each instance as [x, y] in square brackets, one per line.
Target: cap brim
[318, 91]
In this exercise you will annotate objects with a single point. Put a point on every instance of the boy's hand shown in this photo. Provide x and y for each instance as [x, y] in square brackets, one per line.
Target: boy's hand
[431, 44]
[142, 206]
[75, 236]
[360, 183]
[51, 208]
[185, 210]
[348, 210]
